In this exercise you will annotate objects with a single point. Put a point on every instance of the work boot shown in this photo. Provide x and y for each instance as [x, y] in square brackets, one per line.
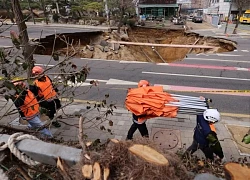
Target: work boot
[56, 124]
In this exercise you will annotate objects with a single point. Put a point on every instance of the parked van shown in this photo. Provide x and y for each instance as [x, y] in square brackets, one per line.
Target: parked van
[245, 18]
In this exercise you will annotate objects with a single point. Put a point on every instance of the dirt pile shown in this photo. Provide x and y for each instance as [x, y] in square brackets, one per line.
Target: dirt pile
[95, 45]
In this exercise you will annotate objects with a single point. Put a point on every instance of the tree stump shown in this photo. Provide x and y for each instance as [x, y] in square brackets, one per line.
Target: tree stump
[235, 171]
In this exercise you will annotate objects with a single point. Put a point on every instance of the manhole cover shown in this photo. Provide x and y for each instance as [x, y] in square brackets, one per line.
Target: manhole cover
[167, 139]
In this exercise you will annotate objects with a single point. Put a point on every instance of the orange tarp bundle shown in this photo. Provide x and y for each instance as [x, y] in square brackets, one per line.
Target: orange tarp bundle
[148, 102]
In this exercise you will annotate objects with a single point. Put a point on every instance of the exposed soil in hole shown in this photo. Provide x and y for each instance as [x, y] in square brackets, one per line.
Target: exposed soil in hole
[94, 45]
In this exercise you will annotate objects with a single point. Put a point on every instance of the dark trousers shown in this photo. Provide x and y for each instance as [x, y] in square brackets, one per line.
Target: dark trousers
[204, 148]
[51, 107]
[142, 128]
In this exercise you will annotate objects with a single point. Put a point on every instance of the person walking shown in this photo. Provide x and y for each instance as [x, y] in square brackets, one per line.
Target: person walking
[138, 125]
[205, 137]
[46, 94]
[28, 108]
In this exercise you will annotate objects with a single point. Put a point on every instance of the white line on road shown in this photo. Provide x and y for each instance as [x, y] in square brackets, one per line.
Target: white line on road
[133, 62]
[49, 65]
[227, 54]
[222, 60]
[196, 76]
[120, 82]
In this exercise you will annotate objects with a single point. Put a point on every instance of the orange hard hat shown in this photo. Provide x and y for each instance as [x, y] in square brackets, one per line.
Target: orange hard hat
[143, 83]
[37, 70]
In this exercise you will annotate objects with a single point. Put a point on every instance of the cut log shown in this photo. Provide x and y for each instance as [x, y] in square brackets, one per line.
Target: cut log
[149, 154]
[163, 45]
[97, 171]
[63, 168]
[87, 171]
[106, 173]
[114, 140]
[87, 156]
[235, 171]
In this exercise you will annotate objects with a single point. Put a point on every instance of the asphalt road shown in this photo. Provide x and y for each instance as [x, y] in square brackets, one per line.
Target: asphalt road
[214, 72]
[36, 31]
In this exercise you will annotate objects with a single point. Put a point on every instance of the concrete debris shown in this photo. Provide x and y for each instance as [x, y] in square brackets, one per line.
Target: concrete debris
[88, 53]
[106, 49]
[104, 43]
[100, 47]
[107, 38]
[91, 48]
[124, 37]
[115, 46]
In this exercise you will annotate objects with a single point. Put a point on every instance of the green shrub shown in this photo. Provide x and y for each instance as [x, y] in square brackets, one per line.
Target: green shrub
[131, 22]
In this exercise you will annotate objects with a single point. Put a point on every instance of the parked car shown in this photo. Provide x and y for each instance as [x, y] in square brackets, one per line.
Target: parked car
[197, 19]
[151, 17]
[190, 18]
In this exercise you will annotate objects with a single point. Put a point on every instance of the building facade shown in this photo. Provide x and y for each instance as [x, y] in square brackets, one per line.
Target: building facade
[157, 8]
[221, 8]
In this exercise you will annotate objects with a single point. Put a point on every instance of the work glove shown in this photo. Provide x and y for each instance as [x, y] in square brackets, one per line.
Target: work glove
[214, 144]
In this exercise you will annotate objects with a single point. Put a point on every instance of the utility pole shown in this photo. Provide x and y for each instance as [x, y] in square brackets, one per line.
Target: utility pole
[31, 10]
[229, 13]
[106, 10]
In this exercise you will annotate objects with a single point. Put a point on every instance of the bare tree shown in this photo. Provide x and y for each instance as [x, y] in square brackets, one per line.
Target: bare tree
[24, 38]
[121, 6]
[7, 6]
[240, 5]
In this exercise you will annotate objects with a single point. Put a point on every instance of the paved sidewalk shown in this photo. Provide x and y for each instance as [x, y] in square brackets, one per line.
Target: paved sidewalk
[210, 30]
[170, 133]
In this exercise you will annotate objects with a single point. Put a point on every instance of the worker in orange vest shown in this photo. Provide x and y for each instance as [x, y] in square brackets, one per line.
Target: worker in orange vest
[138, 125]
[28, 107]
[46, 94]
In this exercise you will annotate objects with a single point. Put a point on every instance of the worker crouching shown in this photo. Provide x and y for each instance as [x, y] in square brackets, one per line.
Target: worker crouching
[28, 108]
[46, 94]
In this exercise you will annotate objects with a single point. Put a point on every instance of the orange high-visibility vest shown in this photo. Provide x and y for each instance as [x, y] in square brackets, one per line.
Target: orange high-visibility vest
[30, 108]
[46, 89]
[212, 127]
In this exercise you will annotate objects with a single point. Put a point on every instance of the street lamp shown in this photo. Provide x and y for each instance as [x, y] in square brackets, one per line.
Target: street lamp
[229, 13]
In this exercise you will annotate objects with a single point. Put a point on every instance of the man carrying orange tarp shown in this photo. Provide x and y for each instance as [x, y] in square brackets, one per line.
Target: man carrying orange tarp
[147, 102]
[150, 101]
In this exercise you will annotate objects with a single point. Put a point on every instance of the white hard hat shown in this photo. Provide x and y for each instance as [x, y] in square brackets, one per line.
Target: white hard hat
[211, 115]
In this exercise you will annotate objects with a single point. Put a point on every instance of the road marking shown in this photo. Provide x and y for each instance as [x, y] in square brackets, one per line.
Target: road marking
[48, 65]
[235, 115]
[219, 54]
[244, 50]
[205, 66]
[133, 62]
[205, 90]
[222, 60]
[196, 76]
[120, 82]
[92, 59]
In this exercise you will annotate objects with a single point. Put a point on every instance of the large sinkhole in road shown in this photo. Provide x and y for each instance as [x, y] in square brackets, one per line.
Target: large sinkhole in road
[94, 45]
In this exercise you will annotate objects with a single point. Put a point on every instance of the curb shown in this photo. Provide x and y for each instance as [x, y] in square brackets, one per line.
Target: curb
[46, 152]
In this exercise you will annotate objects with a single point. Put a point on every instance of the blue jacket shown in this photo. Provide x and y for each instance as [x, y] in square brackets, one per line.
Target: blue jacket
[201, 130]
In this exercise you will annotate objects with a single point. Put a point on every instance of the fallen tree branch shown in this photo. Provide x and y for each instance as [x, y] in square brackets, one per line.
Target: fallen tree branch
[80, 135]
